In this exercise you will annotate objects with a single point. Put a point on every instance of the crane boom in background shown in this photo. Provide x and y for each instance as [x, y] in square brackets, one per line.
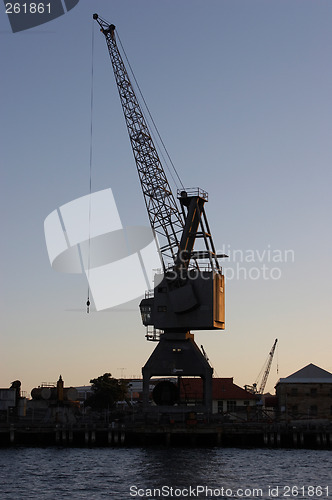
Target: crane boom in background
[266, 371]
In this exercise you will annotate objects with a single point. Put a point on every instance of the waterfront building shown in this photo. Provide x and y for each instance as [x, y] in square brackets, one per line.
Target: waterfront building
[227, 397]
[306, 394]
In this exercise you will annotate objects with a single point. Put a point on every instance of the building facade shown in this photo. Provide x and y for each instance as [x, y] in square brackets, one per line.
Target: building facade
[306, 394]
[227, 397]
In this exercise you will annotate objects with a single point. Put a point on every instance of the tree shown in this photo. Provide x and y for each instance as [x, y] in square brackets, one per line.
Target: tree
[106, 392]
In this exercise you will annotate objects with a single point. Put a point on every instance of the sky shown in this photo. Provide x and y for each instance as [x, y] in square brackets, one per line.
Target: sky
[241, 94]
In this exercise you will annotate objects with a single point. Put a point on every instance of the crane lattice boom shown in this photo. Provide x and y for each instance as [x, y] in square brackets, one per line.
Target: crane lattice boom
[164, 216]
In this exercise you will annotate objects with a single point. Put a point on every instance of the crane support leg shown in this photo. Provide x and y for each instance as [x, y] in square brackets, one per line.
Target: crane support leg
[176, 355]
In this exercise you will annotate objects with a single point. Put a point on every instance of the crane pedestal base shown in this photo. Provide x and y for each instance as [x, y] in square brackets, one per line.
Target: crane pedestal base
[177, 355]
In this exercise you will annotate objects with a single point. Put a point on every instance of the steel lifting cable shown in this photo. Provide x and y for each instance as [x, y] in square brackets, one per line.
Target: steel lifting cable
[152, 120]
[90, 166]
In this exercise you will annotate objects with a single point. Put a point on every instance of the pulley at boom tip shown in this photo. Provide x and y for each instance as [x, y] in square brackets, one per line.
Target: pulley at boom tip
[105, 27]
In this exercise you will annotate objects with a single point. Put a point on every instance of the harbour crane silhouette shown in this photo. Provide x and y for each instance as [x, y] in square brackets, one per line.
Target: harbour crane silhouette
[189, 294]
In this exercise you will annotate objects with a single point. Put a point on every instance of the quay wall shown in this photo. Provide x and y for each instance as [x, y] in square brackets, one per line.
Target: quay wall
[274, 436]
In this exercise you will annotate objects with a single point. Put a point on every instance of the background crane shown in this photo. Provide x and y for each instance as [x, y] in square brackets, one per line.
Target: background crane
[266, 371]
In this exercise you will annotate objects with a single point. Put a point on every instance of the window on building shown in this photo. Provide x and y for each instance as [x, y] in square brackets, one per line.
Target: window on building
[246, 403]
[313, 391]
[313, 411]
[231, 405]
[220, 406]
[294, 391]
[294, 409]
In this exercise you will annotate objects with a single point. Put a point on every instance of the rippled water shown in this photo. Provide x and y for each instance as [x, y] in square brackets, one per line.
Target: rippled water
[125, 473]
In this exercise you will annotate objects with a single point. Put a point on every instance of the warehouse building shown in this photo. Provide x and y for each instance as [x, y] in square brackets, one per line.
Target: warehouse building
[306, 394]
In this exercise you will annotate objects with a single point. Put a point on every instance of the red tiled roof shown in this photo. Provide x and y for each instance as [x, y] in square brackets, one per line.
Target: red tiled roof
[222, 388]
